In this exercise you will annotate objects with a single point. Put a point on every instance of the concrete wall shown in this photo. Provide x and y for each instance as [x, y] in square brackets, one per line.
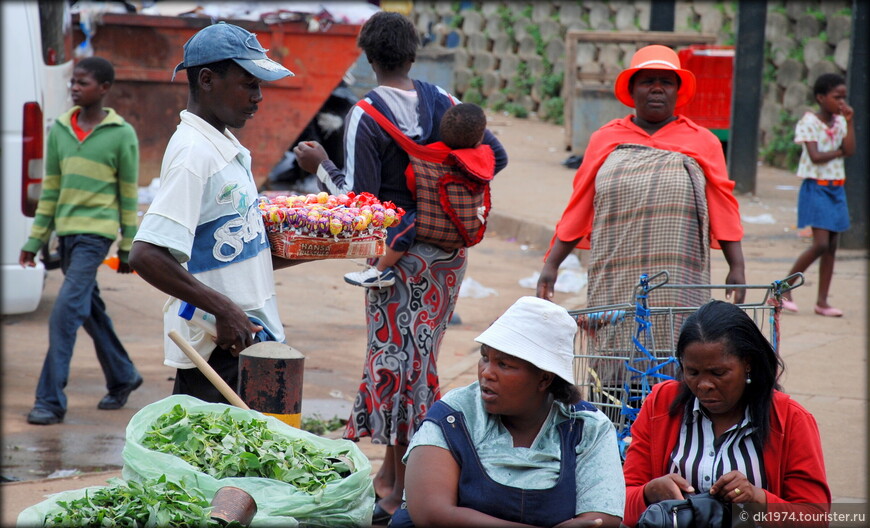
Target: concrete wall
[805, 39]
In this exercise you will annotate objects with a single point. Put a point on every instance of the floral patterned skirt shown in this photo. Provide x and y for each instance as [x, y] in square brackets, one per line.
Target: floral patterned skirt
[406, 323]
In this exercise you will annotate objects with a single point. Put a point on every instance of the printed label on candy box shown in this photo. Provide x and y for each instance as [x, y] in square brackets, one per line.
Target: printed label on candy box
[289, 246]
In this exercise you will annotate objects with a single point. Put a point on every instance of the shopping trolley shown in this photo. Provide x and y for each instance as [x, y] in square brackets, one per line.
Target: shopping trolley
[622, 350]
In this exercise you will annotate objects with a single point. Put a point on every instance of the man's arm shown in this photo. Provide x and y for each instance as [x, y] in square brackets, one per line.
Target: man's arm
[160, 269]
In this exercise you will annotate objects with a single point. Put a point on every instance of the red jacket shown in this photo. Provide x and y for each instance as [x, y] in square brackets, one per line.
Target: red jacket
[793, 460]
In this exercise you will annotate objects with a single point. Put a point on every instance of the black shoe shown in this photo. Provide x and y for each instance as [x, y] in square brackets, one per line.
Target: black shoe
[573, 162]
[39, 416]
[116, 400]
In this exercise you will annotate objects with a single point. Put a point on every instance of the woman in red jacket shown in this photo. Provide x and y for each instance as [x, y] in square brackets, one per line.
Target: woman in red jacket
[725, 427]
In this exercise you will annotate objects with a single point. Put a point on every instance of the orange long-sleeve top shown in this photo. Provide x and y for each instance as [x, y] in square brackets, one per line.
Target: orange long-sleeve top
[680, 135]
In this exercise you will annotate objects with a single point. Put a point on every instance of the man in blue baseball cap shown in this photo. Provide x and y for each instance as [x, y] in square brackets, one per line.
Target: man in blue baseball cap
[202, 240]
[226, 41]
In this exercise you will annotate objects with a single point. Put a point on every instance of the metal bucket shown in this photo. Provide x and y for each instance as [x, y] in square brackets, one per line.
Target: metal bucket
[233, 504]
[270, 380]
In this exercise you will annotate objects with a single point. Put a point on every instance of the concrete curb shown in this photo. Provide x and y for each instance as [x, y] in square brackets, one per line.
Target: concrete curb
[508, 227]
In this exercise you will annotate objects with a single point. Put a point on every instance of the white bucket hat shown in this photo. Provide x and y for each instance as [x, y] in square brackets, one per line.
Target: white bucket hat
[538, 331]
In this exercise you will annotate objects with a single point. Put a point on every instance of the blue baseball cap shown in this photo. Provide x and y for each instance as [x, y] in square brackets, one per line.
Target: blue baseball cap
[224, 41]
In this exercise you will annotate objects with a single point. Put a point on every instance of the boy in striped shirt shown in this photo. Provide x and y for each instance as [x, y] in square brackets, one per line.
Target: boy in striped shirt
[89, 195]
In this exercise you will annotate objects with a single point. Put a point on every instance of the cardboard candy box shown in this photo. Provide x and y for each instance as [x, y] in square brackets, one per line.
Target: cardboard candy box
[297, 247]
[321, 226]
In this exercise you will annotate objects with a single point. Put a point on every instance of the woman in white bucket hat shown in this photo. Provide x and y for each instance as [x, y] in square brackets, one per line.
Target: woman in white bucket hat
[518, 445]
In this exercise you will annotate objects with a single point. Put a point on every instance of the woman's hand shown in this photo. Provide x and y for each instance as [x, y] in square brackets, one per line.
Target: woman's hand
[309, 155]
[668, 487]
[547, 281]
[733, 253]
[550, 271]
[591, 520]
[577, 522]
[738, 277]
[735, 487]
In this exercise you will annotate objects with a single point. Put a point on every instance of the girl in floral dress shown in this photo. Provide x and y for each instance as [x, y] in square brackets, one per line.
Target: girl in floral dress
[827, 136]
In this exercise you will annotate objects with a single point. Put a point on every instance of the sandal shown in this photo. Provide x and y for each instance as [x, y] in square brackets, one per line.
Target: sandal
[829, 311]
[790, 306]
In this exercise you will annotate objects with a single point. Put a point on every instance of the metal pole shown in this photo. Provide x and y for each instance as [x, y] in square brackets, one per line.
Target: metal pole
[746, 98]
[856, 165]
[857, 171]
[661, 15]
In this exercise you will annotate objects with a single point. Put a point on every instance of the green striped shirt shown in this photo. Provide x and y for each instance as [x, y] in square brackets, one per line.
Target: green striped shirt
[90, 186]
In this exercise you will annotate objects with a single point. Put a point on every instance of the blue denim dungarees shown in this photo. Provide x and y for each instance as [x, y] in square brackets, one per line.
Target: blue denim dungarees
[544, 507]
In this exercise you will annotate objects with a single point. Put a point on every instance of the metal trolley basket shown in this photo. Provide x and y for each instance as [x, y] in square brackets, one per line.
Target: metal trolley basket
[622, 350]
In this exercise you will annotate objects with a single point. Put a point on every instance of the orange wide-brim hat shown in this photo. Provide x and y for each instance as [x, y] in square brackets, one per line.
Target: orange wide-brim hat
[655, 57]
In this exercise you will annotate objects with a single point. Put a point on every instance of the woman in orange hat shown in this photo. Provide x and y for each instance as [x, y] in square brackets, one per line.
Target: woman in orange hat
[651, 194]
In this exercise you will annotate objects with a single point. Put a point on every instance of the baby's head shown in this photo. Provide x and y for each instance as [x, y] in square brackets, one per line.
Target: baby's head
[462, 126]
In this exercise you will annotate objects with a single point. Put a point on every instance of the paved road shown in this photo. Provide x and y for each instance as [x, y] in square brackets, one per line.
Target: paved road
[825, 358]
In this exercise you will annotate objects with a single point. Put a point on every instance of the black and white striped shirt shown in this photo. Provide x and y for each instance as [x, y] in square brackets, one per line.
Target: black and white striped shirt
[701, 458]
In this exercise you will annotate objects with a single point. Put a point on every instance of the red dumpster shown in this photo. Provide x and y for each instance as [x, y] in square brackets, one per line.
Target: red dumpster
[145, 49]
[713, 67]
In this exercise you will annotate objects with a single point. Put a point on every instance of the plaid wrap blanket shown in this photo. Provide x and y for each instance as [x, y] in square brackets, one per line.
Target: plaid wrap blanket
[452, 203]
[451, 187]
[650, 215]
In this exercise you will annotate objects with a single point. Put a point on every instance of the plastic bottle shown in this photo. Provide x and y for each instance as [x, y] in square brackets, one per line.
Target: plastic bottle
[198, 317]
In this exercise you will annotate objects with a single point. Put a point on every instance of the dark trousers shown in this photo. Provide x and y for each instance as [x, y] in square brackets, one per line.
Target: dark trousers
[79, 304]
[194, 383]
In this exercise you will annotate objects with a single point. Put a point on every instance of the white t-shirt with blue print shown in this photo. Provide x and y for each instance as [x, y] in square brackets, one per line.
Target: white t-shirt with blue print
[206, 214]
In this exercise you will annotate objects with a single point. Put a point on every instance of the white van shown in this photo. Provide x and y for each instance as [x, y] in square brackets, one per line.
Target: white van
[37, 65]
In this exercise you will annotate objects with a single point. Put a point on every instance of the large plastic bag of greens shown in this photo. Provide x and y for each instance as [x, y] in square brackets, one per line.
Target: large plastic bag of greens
[156, 502]
[35, 515]
[293, 475]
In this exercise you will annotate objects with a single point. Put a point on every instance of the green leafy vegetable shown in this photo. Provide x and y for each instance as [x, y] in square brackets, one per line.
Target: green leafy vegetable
[317, 425]
[222, 446]
[153, 503]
